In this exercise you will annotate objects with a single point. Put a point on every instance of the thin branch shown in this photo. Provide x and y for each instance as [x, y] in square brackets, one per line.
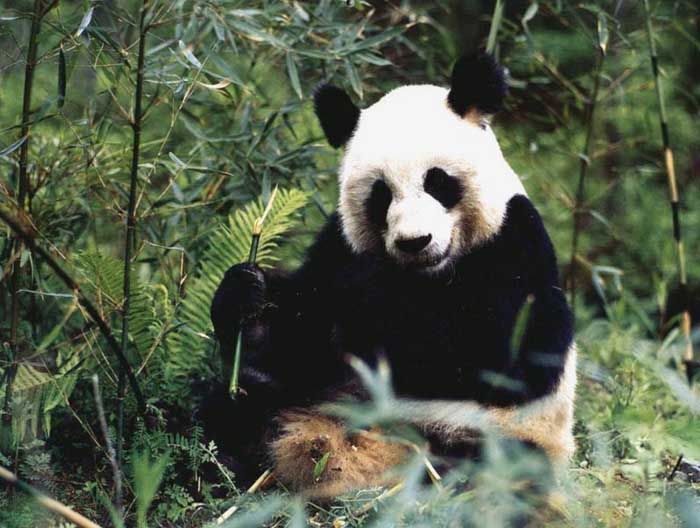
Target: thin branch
[111, 453]
[82, 299]
[583, 169]
[46, 501]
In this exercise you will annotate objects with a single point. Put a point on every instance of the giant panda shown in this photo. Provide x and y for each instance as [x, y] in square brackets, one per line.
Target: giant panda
[427, 262]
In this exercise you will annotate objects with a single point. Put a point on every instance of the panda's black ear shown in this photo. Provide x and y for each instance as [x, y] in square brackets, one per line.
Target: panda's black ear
[479, 83]
[337, 113]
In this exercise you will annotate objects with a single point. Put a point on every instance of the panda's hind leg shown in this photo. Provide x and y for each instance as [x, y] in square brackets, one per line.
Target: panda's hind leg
[354, 460]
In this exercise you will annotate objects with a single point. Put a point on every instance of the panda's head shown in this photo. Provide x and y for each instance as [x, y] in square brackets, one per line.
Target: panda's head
[423, 179]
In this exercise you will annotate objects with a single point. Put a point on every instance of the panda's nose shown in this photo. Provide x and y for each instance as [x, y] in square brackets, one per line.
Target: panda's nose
[413, 245]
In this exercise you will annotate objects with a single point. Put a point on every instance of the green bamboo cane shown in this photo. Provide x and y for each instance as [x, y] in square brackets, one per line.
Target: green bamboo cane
[672, 187]
[234, 388]
[584, 157]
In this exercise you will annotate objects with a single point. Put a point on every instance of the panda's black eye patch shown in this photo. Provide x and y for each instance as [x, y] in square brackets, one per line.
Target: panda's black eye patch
[378, 203]
[444, 188]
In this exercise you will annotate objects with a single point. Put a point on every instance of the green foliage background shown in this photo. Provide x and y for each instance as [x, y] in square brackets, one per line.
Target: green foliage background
[227, 93]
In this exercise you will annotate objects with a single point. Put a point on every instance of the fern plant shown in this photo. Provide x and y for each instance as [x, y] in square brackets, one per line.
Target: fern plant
[37, 392]
[189, 349]
[105, 284]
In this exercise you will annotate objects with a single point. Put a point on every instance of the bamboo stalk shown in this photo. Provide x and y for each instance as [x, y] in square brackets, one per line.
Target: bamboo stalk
[366, 508]
[234, 388]
[23, 193]
[262, 481]
[47, 502]
[92, 311]
[131, 227]
[672, 187]
[584, 163]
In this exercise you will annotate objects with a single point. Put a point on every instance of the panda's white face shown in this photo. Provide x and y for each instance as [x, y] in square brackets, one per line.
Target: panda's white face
[422, 183]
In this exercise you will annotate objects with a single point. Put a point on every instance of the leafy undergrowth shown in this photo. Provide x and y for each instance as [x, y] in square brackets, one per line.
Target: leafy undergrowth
[635, 417]
[228, 115]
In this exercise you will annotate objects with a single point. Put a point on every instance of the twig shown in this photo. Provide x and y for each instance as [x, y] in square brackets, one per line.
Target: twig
[673, 472]
[111, 454]
[261, 482]
[584, 164]
[385, 495]
[47, 502]
[131, 225]
[82, 299]
[672, 186]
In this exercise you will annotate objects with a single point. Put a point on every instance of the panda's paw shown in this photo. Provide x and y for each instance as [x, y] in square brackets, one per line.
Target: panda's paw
[240, 295]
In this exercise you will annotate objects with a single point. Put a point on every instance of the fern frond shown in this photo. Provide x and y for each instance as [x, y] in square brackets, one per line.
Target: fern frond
[229, 244]
[105, 278]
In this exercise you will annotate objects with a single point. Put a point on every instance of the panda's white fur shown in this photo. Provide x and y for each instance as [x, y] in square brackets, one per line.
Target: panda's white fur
[388, 144]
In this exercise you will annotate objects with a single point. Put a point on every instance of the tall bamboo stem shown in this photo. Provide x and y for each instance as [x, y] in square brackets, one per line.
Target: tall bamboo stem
[131, 224]
[672, 186]
[23, 192]
[584, 163]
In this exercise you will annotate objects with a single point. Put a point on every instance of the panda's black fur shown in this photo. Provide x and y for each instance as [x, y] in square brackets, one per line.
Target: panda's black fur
[446, 336]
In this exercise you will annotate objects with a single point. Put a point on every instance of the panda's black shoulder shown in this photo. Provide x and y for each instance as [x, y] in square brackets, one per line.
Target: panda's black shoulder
[329, 254]
[524, 241]
[522, 216]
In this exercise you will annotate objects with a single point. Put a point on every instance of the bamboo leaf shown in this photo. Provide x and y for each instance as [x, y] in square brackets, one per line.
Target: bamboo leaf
[320, 466]
[520, 327]
[11, 148]
[373, 42]
[85, 22]
[187, 52]
[496, 21]
[354, 78]
[294, 75]
[530, 13]
[603, 34]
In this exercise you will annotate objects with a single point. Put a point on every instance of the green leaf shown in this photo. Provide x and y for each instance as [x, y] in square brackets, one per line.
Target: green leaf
[373, 42]
[320, 466]
[294, 75]
[85, 22]
[187, 52]
[496, 20]
[354, 78]
[530, 13]
[11, 148]
[147, 478]
[520, 327]
[603, 34]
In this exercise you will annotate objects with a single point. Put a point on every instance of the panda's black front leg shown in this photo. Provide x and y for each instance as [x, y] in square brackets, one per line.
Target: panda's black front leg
[239, 304]
[242, 303]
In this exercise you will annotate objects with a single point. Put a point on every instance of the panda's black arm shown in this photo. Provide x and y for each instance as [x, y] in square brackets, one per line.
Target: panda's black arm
[286, 318]
[495, 283]
[536, 367]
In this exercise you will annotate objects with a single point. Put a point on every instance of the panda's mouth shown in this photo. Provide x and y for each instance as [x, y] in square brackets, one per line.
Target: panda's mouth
[431, 262]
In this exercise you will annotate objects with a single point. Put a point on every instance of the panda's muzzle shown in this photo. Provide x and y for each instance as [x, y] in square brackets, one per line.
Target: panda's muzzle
[415, 245]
